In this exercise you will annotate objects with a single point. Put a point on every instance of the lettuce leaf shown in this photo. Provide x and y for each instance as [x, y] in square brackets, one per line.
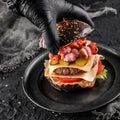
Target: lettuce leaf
[101, 57]
[103, 74]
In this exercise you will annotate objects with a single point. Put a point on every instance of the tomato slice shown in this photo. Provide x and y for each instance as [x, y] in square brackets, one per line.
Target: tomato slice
[99, 67]
[93, 47]
[68, 80]
[54, 57]
[81, 42]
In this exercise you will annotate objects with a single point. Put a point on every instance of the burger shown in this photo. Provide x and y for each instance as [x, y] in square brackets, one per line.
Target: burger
[77, 63]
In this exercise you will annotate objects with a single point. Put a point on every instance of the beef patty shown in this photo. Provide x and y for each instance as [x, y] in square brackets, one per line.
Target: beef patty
[67, 71]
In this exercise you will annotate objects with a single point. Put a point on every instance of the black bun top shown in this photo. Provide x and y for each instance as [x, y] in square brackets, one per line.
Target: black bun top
[70, 30]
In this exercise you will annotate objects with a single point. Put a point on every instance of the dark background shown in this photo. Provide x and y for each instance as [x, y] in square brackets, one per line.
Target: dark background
[14, 105]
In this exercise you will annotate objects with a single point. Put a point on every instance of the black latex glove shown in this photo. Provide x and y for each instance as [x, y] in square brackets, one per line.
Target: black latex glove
[45, 14]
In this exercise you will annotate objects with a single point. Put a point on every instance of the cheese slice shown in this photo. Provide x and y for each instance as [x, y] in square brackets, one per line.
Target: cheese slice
[86, 67]
[88, 76]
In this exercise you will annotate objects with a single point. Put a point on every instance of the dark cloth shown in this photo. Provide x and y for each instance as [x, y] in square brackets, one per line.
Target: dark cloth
[24, 37]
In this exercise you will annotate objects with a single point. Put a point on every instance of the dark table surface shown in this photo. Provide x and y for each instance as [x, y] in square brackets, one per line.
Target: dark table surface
[14, 105]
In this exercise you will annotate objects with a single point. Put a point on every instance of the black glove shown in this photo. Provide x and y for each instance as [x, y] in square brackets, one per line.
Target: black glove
[45, 13]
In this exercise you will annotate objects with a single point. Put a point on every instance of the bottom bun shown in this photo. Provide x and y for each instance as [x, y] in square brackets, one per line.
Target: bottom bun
[70, 86]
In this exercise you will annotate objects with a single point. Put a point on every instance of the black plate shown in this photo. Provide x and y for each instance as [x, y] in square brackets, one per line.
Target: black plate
[40, 92]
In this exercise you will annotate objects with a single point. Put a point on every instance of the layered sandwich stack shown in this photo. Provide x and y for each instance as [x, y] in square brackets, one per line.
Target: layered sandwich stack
[76, 65]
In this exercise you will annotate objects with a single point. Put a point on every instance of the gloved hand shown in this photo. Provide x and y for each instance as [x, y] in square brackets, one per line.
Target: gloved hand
[45, 13]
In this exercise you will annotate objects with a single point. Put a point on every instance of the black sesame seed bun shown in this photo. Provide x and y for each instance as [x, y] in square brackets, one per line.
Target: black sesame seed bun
[69, 30]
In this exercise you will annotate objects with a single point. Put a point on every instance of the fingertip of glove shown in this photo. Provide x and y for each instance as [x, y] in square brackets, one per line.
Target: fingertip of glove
[54, 49]
[90, 22]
